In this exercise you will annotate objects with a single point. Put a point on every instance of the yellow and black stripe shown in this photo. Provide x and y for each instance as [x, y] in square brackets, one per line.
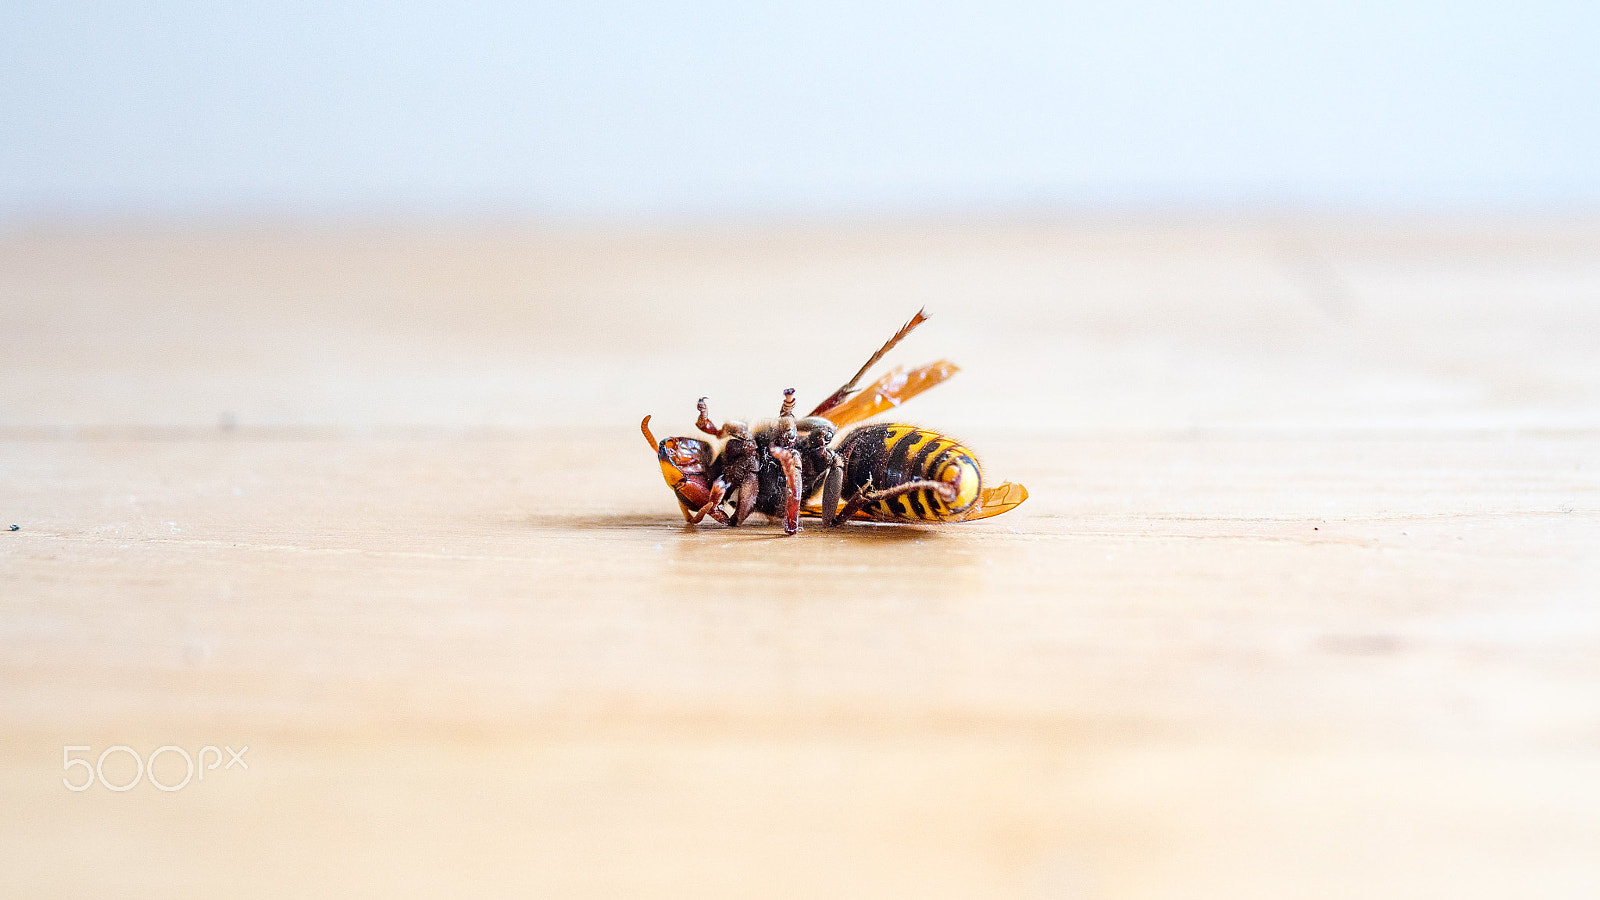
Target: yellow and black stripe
[894, 455]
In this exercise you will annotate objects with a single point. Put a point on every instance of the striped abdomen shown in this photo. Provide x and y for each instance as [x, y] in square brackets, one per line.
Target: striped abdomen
[894, 455]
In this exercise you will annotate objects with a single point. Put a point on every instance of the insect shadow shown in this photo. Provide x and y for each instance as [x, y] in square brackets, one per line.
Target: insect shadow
[856, 531]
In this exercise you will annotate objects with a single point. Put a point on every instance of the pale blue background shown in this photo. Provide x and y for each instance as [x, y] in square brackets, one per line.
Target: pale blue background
[608, 109]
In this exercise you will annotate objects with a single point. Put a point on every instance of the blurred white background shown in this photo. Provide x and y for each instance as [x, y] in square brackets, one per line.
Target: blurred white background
[640, 110]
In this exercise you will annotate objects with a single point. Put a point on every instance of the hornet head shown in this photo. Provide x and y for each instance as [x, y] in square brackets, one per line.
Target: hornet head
[686, 466]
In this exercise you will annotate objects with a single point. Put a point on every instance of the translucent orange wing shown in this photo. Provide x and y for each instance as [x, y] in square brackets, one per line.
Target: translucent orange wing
[893, 389]
[815, 511]
[997, 500]
[838, 397]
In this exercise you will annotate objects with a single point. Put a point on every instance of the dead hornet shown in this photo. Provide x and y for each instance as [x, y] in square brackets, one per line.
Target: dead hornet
[828, 465]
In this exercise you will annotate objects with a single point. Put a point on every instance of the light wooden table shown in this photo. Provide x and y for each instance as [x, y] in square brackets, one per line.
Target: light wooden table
[1306, 602]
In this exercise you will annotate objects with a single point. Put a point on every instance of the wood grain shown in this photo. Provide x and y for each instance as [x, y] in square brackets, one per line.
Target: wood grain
[1306, 601]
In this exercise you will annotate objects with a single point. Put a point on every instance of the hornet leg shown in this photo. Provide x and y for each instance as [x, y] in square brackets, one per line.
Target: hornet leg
[792, 489]
[866, 495]
[747, 499]
[857, 502]
[726, 429]
[713, 506]
[831, 489]
[703, 422]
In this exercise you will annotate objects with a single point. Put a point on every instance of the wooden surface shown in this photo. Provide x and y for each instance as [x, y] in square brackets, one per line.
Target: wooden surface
[1306, 602]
